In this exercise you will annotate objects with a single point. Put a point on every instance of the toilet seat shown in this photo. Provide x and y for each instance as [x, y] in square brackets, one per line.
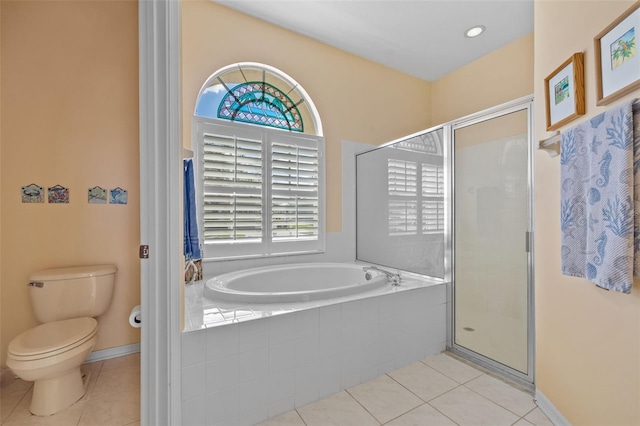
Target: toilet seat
[53, 338]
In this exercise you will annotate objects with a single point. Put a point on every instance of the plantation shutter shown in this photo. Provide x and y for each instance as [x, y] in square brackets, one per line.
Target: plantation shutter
[433, 198]
[402, 181]
[233, 200]
[261, 190]
[295, 178]
[402, 177]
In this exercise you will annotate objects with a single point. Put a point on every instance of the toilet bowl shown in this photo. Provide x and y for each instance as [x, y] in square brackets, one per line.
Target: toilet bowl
[50, 355]
[65, 300]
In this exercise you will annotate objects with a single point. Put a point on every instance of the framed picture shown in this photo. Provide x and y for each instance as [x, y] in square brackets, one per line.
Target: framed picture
[564, 92]
[617, 61]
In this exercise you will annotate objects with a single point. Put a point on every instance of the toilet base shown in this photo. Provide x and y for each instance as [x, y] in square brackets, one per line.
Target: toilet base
[56, 394]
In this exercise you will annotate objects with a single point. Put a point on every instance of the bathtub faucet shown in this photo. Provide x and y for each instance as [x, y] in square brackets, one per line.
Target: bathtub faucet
[394, 278]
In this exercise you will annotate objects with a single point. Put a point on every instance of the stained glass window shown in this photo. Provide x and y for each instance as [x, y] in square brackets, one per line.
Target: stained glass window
[257, 94]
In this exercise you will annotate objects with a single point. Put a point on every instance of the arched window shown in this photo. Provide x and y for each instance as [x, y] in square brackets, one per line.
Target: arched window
[258, 94]
[261, 164]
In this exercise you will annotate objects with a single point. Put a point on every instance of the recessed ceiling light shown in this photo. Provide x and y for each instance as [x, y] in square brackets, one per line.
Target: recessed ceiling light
[474, 31]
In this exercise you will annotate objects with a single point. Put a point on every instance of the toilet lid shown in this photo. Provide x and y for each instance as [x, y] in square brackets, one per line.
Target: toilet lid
[53, 337]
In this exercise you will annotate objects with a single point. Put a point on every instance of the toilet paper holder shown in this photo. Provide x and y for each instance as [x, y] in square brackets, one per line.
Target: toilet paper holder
[135, 318]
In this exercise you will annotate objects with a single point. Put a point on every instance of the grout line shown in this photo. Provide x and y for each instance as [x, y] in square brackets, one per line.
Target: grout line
[500, 405]
[363, 407]
[422, 399]
[26, 392]
[414, 408]
[300, 416]
[442, 413]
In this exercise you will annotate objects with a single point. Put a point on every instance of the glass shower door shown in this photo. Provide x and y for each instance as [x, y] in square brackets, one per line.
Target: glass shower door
[491, 241]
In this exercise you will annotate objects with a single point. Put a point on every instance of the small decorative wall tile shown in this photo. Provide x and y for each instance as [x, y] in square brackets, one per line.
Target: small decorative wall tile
[97, 195]
[118, 196]
[32, 194]
[58, 195]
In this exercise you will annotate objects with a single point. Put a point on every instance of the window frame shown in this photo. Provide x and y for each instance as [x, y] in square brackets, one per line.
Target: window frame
[220, 251]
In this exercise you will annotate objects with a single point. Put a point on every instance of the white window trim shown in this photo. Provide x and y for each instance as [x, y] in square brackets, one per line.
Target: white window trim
[267, 248]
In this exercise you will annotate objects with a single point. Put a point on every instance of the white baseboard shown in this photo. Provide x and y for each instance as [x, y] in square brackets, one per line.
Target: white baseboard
[550, 410]
[113, 352]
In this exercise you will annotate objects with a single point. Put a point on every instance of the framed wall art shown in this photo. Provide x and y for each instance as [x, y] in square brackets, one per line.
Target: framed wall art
[564, 92]
[617, 61]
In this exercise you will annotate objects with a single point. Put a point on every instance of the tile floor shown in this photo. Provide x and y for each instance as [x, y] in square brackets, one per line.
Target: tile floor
[439, 390]
[112, 398]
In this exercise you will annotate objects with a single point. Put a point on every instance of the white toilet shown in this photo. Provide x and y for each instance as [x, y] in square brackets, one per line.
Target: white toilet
[65, 300]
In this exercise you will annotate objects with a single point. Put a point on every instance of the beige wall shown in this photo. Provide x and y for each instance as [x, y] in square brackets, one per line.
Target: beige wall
[501, 76]
[69, 107]
[587, 340]
[357, 100]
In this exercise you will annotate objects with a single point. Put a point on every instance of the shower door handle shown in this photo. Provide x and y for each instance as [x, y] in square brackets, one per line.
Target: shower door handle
[527, 242]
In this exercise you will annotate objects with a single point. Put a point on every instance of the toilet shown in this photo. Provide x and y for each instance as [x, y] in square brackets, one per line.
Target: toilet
[65, 301]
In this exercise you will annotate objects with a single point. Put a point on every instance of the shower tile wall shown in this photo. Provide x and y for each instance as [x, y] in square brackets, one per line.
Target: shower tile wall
[254, 370]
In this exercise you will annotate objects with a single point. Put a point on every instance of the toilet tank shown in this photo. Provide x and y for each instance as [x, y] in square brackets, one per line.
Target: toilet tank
[74, 292]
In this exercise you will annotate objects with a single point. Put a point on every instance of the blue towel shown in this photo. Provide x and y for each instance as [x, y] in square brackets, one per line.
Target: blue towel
[191, 236]
[599, 159]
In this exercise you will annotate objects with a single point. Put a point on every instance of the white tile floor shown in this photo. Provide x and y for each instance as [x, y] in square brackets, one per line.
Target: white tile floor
[112, 398]
[440, 390]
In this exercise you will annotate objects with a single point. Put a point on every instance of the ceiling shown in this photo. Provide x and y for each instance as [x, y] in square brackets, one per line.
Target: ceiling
[423, 38]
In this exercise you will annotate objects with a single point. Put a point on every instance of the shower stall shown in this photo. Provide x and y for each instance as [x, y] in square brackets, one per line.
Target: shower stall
[454, 203]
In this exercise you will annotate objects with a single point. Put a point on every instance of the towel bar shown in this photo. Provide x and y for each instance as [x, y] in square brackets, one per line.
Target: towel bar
[551, 145]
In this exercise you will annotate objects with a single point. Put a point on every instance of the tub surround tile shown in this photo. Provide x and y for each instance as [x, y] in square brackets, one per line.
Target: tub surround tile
[307, 349]
[328, 387]
[451, 367]
[221, 408]
[253, 365]
[253, 395]
[194, 381]
[424, 415]
[282, 356]
[512, 399]
[464, 406]
[193, 411]
[253, 335]
[306, 396]
[307, 377]
[522, 422]
[201, 311]
[307, 323]
[423, 381]
[282, 405]
[194, 347]
[281, 329]
[222, 341]
[222, 374]
[303, 356]
[384, 398]
[252, 416]
[330, 318]
[338, 410]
